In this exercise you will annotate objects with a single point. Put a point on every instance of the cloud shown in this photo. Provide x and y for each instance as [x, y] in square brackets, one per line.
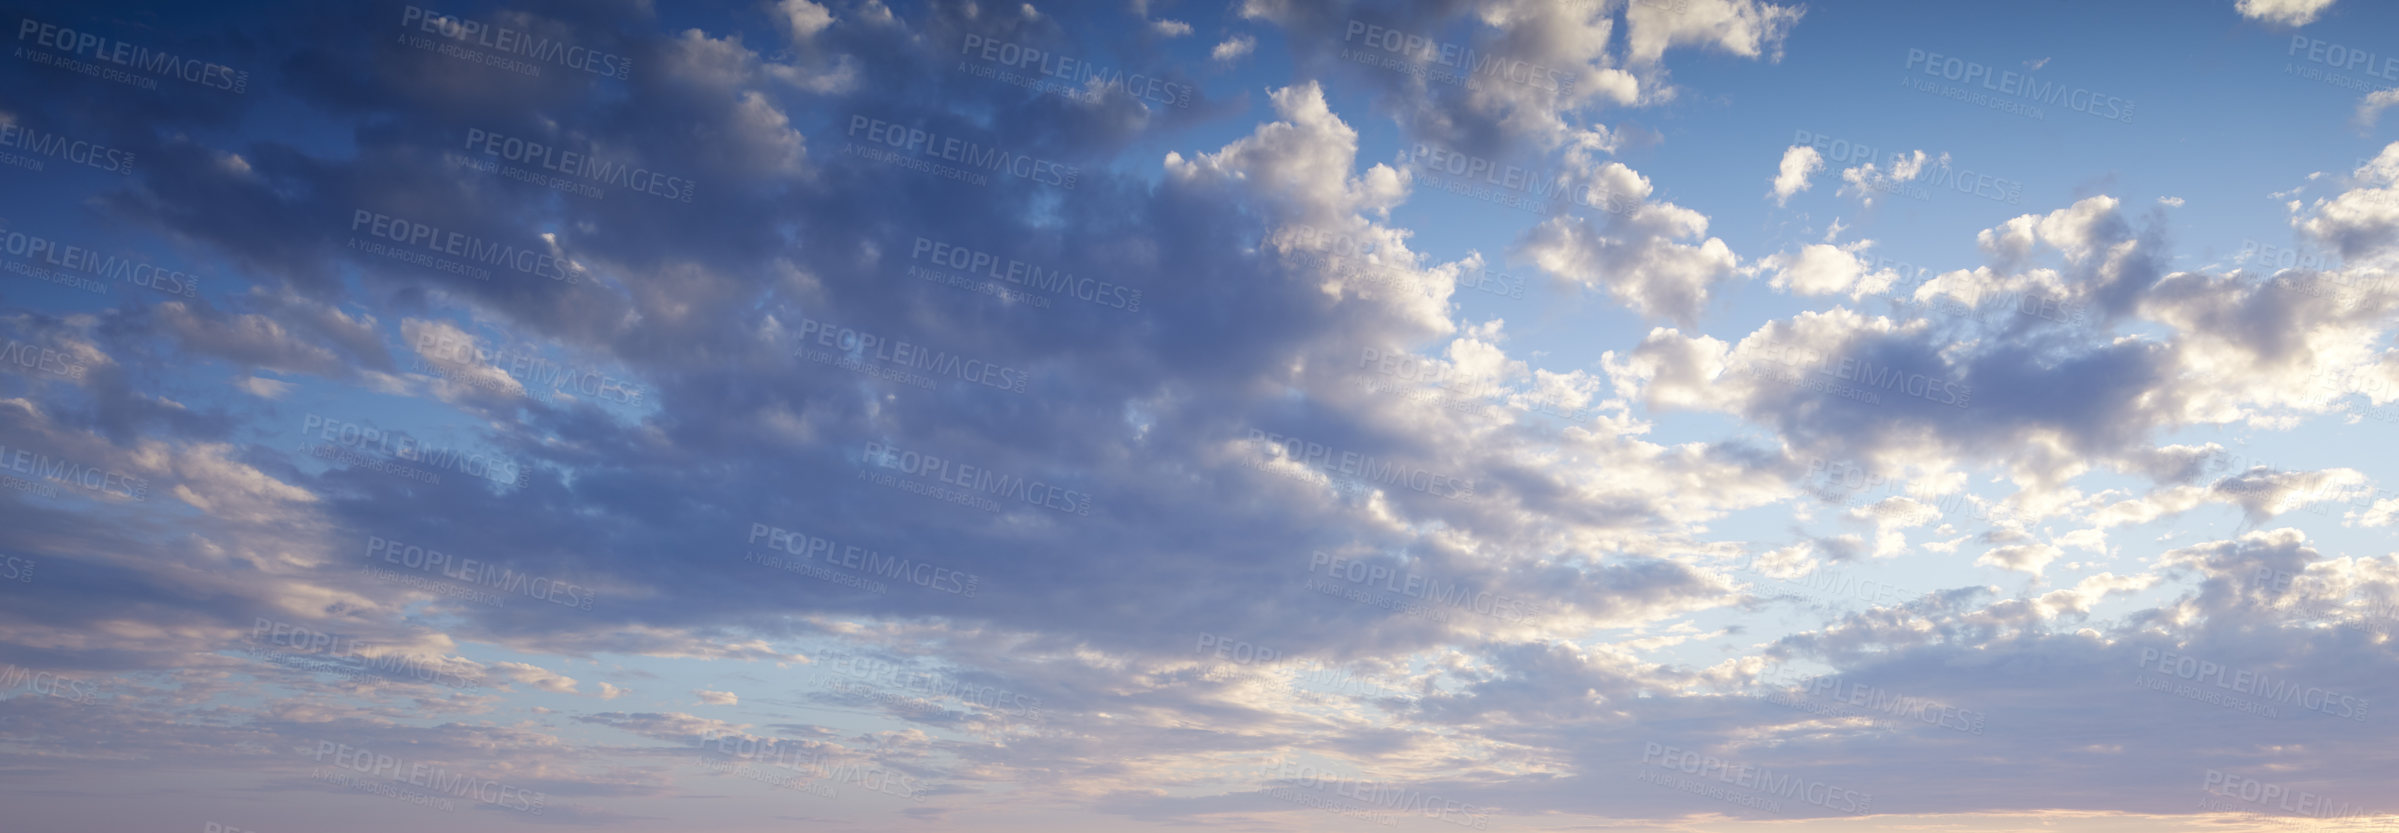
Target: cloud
[717, 698]
[2283, 12]
[1799, 163]
[1820, 269]
[2371, 106]
[1233, 49]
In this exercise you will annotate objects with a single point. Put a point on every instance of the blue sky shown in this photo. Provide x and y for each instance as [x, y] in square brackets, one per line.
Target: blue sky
[641, 416]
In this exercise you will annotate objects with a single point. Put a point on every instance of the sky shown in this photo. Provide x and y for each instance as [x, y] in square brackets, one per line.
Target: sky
[1155, 415]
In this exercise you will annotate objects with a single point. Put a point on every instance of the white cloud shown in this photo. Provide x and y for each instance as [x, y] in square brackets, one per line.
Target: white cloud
[1799, 163]
[2283, 12]
[1233, 48]
[2370, 107]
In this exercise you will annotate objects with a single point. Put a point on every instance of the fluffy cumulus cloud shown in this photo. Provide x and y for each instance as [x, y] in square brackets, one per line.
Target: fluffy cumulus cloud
[1791, 177]
[1281, 416]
